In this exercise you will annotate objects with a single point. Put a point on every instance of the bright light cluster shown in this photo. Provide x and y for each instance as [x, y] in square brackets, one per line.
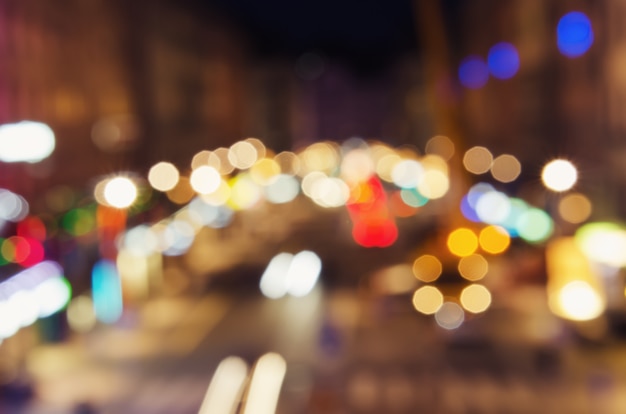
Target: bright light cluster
[483, 203]
[34, 293]
[291, 274]
[246, 173]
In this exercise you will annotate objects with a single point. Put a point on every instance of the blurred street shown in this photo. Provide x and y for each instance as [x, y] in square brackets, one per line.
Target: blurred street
[344, 354]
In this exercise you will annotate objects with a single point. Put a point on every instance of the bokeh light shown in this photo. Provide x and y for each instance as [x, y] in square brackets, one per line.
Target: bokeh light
[473, 267]
[477, 160]
[462, 242]
[579, 301]
[265, 171]
[427, 300]
[475, 298]
[493, 207]
[427, 268]
[440, 145]
[283, 189]
[26, 141]
[80, 314]
[434, 184]
[182, 193]
[205, 179]
[163, 176]
[506, 168]
[407, 173]
[494, 239]
[473, 72]
[575, 208]
[242, 155]
[559, 175]
[574, 34]
[120, 192]
[450, 316]
[503, 60]
[603, 242]
[534, 225]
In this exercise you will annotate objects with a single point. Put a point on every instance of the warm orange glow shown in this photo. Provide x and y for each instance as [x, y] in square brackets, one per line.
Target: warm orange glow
[477, 160]
[506, 168]
[494, 239]
[427, 268]
[462, 242]
[473, 267]
[575, 208]
[182, 193]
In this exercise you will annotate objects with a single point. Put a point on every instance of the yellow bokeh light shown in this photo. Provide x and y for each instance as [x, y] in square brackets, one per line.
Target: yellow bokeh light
[494, 239]
[288, 162]
[578, 301]
[473, 267]
[163, 176]
[427, 268]
[321, 156]
[440, 145]
[205, 179]
[462, 242]
[475, 298]
[477, 160]
[220, 196]
[506, 168]
[427, 300]
[575, 208]
[120, 192]
[242, 155]
[264, 171]
[559, 175]
[434, 184]
[386, 165]
[244, 193]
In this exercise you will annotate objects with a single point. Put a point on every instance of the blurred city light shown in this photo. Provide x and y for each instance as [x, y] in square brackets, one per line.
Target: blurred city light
[120, 192]
[473, 267]
[106, 291]
[575, 208]
[427, 268]
[226, 388]
[603, 242]
[462, 242]
[503, 60]
[265, 384]
[205, 179]
[163, 176]
[26, 141]
[559, 175]
[574, 34]
[506, 168]
[475, 298]
[427, 300]
[574, 289]
[473, 72]
[477, 160]
[34, 293]
[450, 316]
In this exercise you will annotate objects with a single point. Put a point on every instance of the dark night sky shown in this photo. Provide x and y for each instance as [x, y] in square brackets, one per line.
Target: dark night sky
[366, 34]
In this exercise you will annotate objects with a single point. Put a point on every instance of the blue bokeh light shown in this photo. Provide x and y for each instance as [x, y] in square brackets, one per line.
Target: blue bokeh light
[574, 34]
[503, 60]
[473, 72]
